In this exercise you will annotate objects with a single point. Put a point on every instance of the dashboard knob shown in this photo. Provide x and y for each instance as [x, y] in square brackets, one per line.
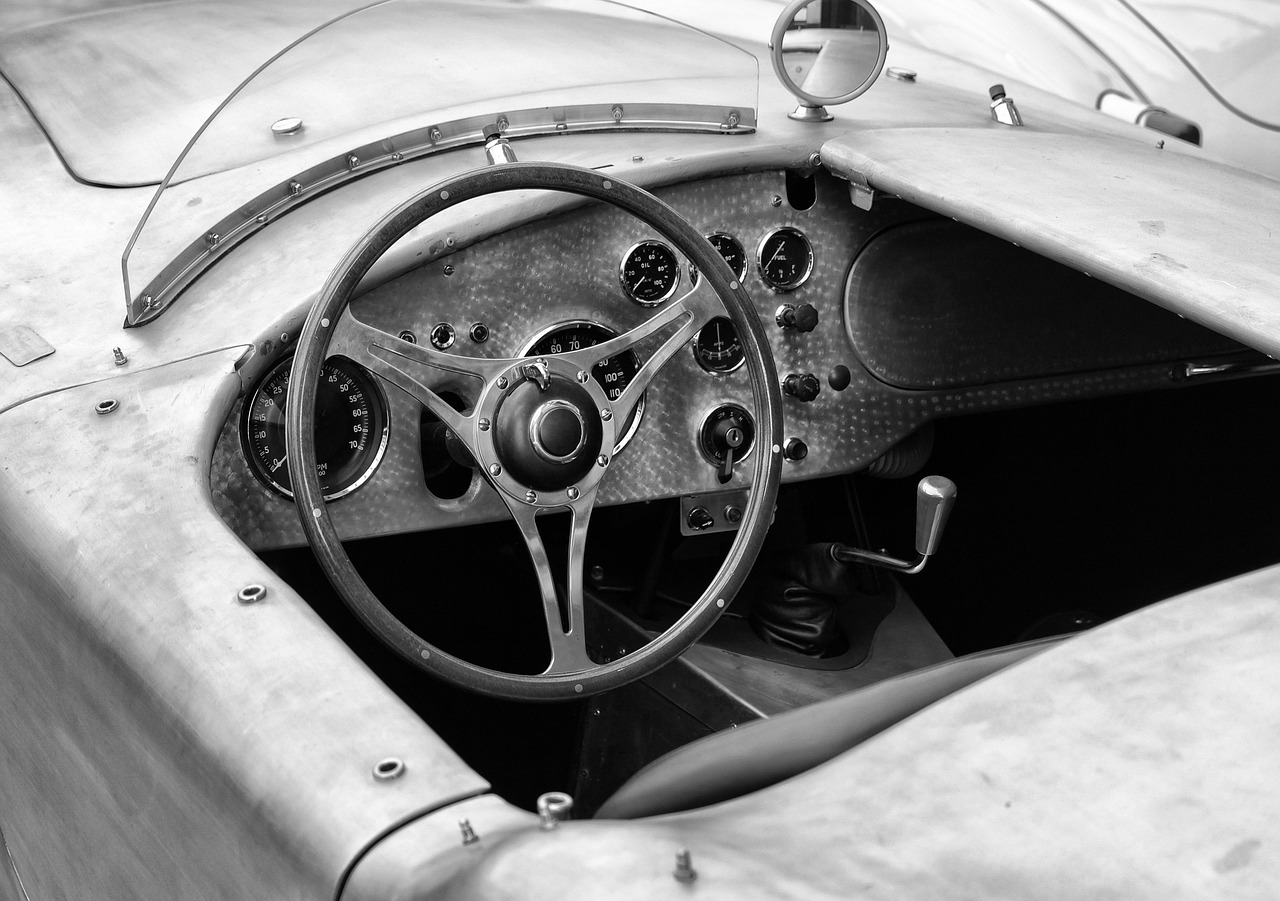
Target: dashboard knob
[795, 450]
[804, 386]
[802, 318]
[699, 518]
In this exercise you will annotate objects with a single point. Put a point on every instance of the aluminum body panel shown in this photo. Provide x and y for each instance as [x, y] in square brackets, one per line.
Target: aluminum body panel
[216, 749]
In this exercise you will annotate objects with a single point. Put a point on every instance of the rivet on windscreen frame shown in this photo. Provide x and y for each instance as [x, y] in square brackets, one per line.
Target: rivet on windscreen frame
[295, 188]
[352, 161]
[103, 407]
[553, 808]
[900, 73]
[289, 125]
[148, 302]
[434, 134]
[616, 112]
[251, 594]
[119, 357]
[733, 120]
[388, 768]
[213, 239]
[503, 123]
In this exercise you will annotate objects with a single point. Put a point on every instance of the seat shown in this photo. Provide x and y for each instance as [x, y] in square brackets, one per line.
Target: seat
[762, 753]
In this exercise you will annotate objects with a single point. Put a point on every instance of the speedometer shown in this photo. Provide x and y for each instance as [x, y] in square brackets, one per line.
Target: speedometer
[613, 374]
[351, 428]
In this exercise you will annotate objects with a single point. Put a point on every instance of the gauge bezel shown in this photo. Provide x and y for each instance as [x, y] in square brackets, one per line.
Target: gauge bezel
[383, 415]
[784, 287]
[527, 348]
[698, 357]
[622, 273]
[742, 249]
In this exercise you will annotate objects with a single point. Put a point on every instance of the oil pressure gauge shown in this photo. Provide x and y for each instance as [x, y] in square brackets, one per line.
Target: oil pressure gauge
[649, 273]
[785, 259]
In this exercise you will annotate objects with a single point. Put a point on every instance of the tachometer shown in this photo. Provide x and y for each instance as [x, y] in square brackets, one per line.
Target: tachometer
[612, 374]
[785, 259]
[351, 428]
[649, 273]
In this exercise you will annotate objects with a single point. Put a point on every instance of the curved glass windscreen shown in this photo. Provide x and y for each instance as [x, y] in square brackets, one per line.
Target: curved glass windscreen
[400, 79]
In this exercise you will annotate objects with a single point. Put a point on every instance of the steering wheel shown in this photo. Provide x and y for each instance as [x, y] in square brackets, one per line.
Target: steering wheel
[541, 430]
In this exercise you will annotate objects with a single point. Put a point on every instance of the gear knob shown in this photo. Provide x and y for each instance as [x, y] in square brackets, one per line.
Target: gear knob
[935, 496]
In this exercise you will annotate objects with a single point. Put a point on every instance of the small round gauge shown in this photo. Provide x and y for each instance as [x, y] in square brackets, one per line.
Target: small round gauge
[785, 259]
[351, 428]
[731, 249]
[717, 347]
[613, 374]
[649, 273]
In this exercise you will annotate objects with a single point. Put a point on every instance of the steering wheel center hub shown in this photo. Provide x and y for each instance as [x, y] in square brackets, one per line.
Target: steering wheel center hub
[547, 435]
[557, 432]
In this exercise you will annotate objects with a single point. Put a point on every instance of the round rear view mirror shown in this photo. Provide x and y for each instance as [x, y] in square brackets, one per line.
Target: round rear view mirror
[827, 52]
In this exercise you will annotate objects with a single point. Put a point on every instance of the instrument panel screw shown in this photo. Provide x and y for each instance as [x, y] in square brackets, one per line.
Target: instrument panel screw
[479, 332]
[572, 493]
[815, 159]
[119, 356]
[484, 425]
[775, 200]
[408, 336]
[502, 382]
[606, 414]
[684, 871]
[448, 270]
[388, 768]
[495, 470]
[469, 836]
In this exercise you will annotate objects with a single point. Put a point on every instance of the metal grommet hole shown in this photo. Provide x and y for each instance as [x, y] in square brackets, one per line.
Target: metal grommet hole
[103, 407]
[251, 594]
[388, 768]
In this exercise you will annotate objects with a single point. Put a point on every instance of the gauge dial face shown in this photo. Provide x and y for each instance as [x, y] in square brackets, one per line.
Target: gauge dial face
[351, 428]
[613, 374]
[717, 347]
[649, 273]
[731, 249]
[785, 259]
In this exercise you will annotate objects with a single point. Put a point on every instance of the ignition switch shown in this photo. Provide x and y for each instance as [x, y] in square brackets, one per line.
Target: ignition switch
[726, 437]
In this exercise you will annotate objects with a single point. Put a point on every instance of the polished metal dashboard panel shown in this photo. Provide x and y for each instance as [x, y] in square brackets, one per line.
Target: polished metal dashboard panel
[562, 269]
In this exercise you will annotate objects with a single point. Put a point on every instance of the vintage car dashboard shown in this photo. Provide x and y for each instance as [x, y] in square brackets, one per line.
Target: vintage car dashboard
[880, 320]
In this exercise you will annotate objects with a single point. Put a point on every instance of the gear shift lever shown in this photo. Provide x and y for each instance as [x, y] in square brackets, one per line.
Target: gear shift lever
[935, 496]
